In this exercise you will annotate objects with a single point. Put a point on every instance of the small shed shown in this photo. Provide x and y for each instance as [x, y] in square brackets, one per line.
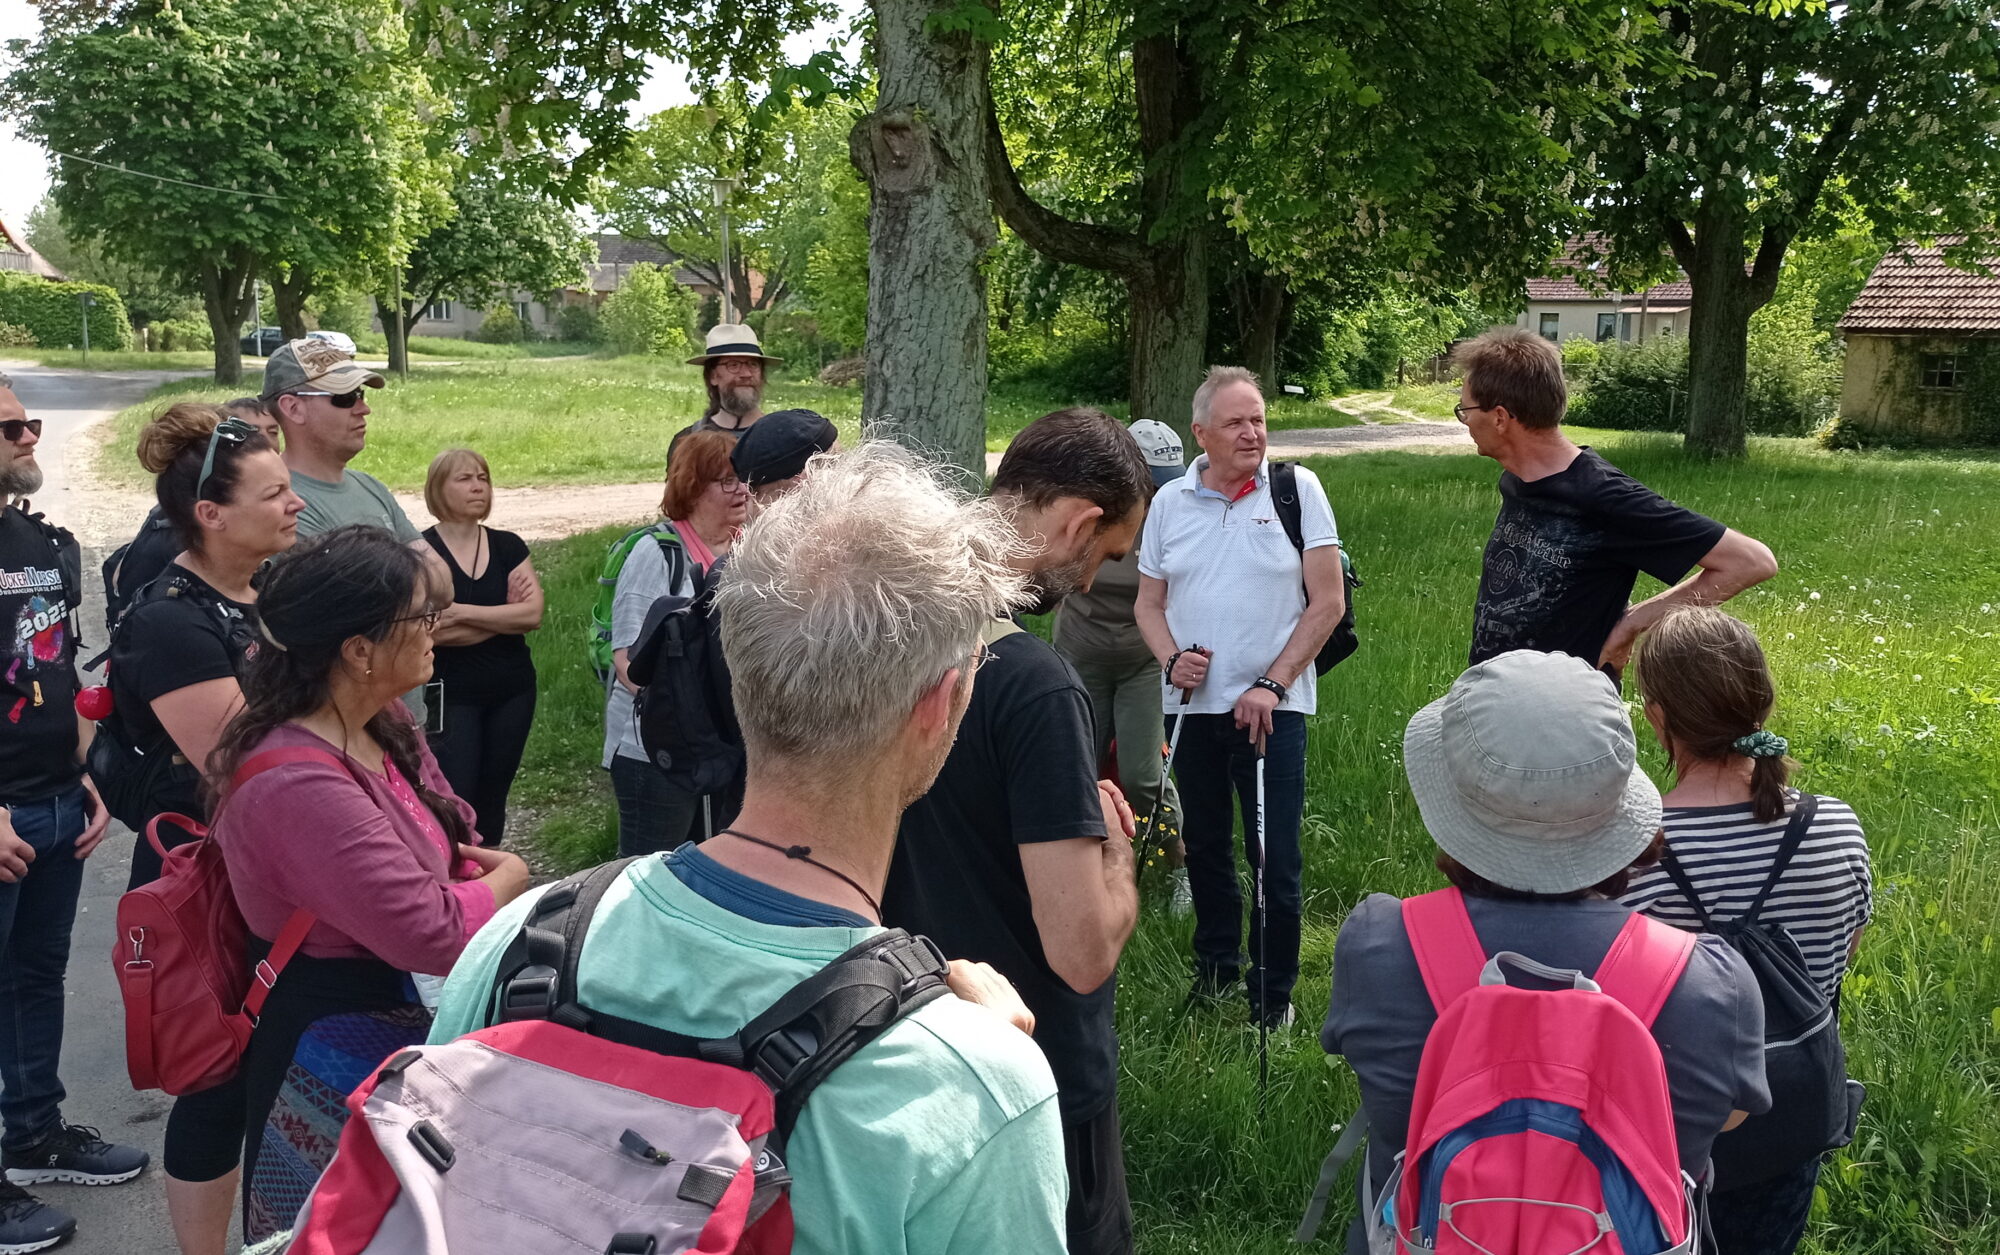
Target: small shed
[1923, 350]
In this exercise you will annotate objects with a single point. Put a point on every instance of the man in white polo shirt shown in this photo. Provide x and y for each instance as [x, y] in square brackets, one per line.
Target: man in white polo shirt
[1235, 614]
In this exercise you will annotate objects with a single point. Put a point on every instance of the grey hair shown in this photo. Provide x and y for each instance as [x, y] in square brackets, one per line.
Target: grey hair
[1218, 378]
[845, 601]
[6, 381]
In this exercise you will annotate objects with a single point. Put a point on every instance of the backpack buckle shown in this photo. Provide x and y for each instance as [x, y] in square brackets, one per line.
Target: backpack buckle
[529, 995]
[778, 1057]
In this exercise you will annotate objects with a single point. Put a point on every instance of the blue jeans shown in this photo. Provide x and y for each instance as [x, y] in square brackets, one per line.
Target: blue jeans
[35, 917]
[1215, 766]
[652, 814]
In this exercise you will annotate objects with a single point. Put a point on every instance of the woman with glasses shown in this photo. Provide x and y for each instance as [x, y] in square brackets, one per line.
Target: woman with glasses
[360, 833]
[482, 640]
[704, 500]
[176, 659]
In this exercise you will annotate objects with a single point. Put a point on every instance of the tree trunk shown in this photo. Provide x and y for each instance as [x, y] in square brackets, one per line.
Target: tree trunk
[1269, 301]
[390, 314]
[929, 228]
[225, 298]
[1169, 330]
[289, 294]
[1718, 335]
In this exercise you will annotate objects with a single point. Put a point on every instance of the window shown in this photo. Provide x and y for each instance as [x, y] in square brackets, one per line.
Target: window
[438, 311]
[1551, 326]
[521, 311]
[1939, 371]
[1607, 327]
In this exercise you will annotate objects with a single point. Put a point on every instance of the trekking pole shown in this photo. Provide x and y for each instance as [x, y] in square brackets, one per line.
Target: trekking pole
[1263, 943]
[1167, 760]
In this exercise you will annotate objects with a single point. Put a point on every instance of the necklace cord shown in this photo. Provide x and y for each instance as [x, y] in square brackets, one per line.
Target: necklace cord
[803, 854]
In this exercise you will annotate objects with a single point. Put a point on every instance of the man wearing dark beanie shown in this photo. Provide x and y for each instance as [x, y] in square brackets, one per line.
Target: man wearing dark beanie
[771, 455]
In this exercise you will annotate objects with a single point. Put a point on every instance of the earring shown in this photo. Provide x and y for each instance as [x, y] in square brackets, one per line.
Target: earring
[369, 671]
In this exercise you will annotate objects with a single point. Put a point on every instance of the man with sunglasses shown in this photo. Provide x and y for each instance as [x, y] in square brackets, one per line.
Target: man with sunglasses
[50, 820]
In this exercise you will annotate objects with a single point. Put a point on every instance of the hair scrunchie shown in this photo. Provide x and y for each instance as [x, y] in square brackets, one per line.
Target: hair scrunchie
[1760, 744]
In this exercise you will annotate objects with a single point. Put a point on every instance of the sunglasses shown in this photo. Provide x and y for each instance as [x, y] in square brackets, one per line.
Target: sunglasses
[338, 400]
[12, 429]
[235, 431]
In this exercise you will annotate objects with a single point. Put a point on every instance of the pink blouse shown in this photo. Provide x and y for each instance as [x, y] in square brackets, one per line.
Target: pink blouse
[356, 849]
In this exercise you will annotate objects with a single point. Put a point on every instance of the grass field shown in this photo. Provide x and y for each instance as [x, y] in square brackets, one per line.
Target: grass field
[1885, 633]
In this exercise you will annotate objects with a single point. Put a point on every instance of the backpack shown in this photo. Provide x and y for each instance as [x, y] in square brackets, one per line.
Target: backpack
[598, 642]
[1541, 1119]
[559, 1129]
[1814, 1106]
[687, 717]
[1285, 496]
[190, 1003]
[120, 592]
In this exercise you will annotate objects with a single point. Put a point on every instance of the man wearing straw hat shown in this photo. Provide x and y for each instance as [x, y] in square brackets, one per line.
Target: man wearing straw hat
[732, 368]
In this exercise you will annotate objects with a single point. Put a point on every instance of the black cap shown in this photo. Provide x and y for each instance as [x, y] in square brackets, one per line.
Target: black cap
[779, 445]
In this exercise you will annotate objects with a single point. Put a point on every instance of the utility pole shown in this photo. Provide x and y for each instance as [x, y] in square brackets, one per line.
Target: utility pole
[84, 302]
[723, 186]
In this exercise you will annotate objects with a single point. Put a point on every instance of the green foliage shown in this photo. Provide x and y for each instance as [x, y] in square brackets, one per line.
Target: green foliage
[1074, 354]
[16, 337]
[1644, 387]
[650, 314]
[181, 335]
[834, 284]
[53, 312]
[342, 309]
[504, 235]
[500, 326]
[1580, 353]
[149, 295]
[579, 323]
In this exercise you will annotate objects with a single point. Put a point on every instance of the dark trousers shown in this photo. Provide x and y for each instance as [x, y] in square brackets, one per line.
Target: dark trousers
[1100, 1210]
[1215, 767]
[1768, 1218]
[479, 752]
[35, 917]
[653, 815]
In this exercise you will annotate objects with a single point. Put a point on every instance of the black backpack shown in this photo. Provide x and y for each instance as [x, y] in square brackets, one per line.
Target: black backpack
[1285, 496]
[1814, 1106]
[122, 587]
[687, 719]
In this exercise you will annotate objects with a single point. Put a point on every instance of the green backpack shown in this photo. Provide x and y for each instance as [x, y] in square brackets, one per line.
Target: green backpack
[669, 540]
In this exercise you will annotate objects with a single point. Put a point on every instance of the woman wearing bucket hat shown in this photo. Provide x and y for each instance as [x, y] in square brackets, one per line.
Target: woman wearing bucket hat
[1525, 774]
[732, 364]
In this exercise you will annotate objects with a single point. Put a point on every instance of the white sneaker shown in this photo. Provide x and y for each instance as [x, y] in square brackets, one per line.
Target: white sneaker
[1180, 904]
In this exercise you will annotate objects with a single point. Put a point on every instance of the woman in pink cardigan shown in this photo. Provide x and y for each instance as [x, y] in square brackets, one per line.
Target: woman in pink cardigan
[359, 830]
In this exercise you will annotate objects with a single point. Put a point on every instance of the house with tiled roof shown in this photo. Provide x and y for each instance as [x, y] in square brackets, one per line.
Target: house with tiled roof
[17, 256]
[1571, 301]
[1923, 348]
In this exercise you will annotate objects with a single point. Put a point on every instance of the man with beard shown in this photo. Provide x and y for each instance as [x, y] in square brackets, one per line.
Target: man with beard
[50, 820]
[732, 368]
[1236, 614]
[1018, 856]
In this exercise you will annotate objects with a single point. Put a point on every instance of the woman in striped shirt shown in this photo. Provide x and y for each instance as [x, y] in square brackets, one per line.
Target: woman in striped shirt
[1708, 692]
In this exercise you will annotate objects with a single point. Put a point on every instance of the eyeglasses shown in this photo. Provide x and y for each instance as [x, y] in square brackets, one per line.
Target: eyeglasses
[429, 618]
[1459, 411]
[12, 429]
[981, 658]
[338, 400]
[235, 431]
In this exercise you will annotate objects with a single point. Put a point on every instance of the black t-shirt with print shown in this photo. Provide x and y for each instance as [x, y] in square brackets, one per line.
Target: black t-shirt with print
[1567, 549]
[1022, 771]
[38, 675]
[498, 667]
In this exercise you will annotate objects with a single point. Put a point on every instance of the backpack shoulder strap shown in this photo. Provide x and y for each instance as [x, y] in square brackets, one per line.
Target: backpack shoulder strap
[674, 550]
[1676, 873]
[1644, 964]
[1803, 811]
[1447, 948]
[1285, 497]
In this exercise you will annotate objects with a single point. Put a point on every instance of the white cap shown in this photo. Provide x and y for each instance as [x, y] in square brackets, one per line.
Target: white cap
[1159, 442]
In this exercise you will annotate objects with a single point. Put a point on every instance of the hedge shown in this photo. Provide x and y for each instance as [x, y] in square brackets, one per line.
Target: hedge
[52, 313]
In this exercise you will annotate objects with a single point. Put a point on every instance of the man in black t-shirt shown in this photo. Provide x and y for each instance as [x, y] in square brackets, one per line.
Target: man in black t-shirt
[1574, 531]
[50, 820]
[1017, 856]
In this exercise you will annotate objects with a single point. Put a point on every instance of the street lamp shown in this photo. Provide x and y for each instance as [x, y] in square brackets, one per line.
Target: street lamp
[723, 186]
[85, 301]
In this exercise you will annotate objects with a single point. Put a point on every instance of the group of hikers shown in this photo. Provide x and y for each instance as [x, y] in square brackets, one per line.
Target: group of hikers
[849, 985]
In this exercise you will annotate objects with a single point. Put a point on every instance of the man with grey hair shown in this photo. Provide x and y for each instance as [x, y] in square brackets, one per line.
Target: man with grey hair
[50, 820]
[1235, 609]
[851, 611]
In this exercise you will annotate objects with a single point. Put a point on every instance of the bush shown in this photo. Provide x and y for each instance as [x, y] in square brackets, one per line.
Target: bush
[14, 337]
[1072, 355]
[1644, 387]
[342, 310]
[1580, 354]
[52, 312]
[501, 326]
[579, 323]
[182, 335]
[650, 314]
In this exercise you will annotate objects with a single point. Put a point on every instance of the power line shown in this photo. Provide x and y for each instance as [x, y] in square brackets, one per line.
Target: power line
[161, 178]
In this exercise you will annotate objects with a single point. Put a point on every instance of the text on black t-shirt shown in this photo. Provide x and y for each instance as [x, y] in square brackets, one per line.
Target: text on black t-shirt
[38, 735]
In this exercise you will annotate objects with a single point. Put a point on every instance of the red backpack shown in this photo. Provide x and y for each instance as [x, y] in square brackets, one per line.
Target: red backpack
[1541, 1120]
[189, 1001]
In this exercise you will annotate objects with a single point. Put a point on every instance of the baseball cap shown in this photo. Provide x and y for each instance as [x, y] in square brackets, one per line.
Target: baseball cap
[778, 446]
[314, 365]
[1162, 446]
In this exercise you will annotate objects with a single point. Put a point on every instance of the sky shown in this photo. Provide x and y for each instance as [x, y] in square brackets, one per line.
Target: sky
[24, 173]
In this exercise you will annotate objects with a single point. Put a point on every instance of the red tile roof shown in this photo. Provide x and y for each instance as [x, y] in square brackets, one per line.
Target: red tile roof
[1913, 290]
[1567, 288]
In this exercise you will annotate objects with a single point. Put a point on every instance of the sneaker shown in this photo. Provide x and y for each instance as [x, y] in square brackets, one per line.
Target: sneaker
[1180, 903]
[1276, 1021]
[75, 1154]
[29, 1224]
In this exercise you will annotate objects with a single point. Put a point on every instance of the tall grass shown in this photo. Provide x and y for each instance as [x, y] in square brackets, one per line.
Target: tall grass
[1885, 634]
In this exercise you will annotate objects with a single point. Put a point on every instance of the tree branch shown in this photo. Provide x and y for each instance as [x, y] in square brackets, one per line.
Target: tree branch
[1681, 242]
[1047, 232]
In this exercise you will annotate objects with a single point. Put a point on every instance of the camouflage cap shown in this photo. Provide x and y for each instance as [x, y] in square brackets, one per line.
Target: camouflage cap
[310, 365]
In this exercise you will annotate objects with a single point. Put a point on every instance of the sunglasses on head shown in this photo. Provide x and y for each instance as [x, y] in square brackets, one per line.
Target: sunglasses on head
[233, 430]
[338, 400]
[12, 429]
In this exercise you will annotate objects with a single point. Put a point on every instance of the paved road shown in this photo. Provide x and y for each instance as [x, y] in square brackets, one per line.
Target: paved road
[128, 1219]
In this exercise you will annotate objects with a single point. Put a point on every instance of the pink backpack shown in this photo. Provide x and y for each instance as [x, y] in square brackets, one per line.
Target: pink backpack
[1541, 1122]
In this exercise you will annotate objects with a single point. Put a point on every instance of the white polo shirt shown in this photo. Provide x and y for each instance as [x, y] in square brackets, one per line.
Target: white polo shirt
[1234, 582]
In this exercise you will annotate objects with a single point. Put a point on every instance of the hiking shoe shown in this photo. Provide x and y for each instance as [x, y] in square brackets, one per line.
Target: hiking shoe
[75, 1154]
[1180, 902]
[29, 1224]
[1276, 1021]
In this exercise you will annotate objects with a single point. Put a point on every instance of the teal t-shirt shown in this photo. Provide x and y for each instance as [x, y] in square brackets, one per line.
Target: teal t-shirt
[357, 498]
[941, 1137]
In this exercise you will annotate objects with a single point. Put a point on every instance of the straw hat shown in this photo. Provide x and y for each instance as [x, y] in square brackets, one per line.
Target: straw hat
[732, 339]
